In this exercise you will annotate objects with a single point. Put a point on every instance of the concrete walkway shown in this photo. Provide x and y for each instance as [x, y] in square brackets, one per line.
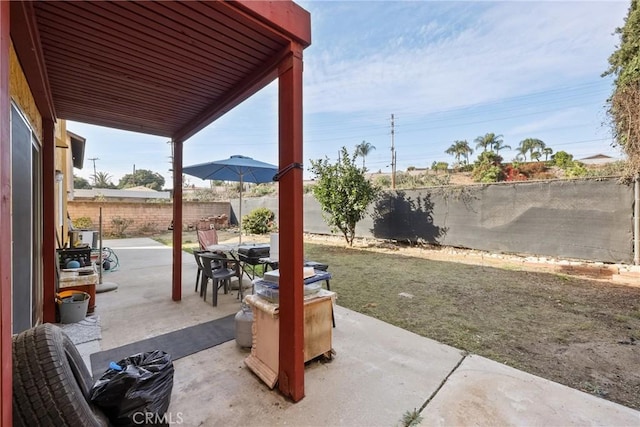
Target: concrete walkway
[379, 372]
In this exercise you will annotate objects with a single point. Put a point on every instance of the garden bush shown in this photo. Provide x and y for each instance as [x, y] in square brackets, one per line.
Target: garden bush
[259, 221]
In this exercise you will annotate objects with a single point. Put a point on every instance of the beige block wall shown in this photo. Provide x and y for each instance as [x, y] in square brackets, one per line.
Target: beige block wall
[144, 218]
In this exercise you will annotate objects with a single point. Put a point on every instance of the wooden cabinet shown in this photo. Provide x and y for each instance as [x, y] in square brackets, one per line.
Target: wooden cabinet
[318, 311]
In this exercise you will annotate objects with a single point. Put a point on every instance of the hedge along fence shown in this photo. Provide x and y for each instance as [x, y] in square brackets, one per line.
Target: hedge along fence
[140, 218]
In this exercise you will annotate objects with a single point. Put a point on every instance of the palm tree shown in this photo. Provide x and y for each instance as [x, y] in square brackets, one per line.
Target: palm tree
[498, 145]
[102, 180]
[529, 145]
[547, 151]
[488, 140]
[363, 149]
[460, 148]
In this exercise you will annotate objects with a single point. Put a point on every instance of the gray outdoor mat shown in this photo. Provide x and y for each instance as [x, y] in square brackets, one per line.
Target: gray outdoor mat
[178, 343]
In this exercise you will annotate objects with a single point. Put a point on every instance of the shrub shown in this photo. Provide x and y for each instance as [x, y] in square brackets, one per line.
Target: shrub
[259, 221]
[120, 225]
[576, 170]
[562, 159]
[610, 169]
[490, 174]
[440, 166]
[149, 228]
[383, 181]
[532, 169]
[488, 168]
[512, 173]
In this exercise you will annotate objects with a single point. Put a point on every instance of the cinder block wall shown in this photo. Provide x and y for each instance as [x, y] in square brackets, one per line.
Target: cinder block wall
[145, 218]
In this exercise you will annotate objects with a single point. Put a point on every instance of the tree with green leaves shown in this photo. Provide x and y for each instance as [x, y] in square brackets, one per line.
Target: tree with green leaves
[562, 159]
[488, 140]
[344, 193]
[144, 178]
[547, 151]
[80, 183]
[440, 166]
[363, 149]
[102, 180]
[488, 167]
[624, 103]
[458, 149]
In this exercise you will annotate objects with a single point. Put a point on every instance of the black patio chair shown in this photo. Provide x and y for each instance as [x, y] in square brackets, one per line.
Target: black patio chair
[196, 254]
[221, 277]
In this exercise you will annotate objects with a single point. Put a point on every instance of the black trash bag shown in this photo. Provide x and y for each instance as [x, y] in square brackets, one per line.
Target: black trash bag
[139, 393]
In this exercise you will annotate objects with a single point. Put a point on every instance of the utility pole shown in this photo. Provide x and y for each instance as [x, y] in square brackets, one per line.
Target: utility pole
[393, 154]
[93, 159]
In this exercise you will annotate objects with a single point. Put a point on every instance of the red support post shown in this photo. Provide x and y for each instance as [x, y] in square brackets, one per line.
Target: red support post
[48, 221]
[6, 376]
[291, 345]
[176, 284]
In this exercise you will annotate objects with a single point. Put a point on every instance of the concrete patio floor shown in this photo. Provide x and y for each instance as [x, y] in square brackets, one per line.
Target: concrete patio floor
[379, 371]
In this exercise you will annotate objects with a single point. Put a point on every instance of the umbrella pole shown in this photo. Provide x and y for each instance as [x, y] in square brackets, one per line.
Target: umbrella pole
[240, 212]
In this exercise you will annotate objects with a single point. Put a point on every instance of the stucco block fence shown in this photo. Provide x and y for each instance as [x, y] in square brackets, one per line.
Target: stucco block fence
[149, 218]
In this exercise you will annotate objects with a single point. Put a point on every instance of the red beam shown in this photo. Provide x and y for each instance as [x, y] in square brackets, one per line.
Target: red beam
[176, 284]
[26, 41]
[48, 221]
[291, 354]
[6, 386]
[289, 18]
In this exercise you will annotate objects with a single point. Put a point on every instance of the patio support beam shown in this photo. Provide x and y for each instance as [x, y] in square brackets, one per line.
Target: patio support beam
[49, 230]
[176, 283]
[6, 387]
[291, 345]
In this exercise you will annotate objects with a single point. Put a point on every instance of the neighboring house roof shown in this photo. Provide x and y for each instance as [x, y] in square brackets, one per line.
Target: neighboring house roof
[598, 159]
[129, 193]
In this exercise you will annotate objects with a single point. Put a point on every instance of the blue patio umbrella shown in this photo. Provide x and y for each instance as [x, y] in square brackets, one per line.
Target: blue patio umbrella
[235, 168]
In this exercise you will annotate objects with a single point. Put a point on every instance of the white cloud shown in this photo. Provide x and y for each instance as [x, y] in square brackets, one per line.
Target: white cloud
[508, 49]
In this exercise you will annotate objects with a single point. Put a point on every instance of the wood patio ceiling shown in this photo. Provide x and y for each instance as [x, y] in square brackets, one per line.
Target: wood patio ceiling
[165, 68]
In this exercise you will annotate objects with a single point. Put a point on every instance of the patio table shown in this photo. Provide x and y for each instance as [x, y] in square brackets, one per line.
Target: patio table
[247, 265]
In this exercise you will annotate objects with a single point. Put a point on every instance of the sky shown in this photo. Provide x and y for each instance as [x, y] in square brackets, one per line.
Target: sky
[445, 70]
